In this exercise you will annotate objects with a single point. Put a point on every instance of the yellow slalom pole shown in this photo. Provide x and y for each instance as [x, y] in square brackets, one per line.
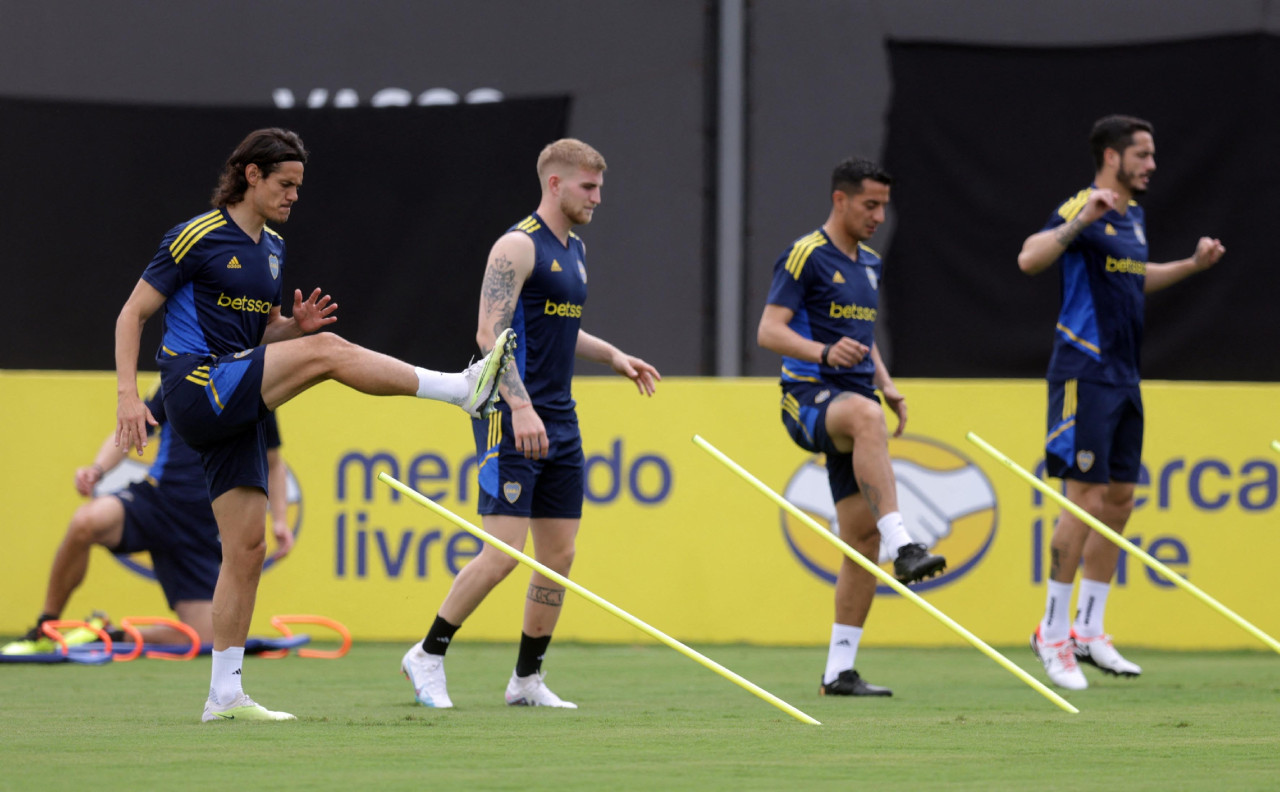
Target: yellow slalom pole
[1124, 544]
[547, 572]
[862, 561]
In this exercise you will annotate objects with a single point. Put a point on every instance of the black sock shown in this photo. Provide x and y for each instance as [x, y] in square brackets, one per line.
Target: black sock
[439, 637]
[532, 651]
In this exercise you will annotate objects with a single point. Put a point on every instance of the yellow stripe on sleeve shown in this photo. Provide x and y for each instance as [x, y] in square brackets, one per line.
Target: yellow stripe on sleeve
[192, 227]
[800, 252]
[209, 225]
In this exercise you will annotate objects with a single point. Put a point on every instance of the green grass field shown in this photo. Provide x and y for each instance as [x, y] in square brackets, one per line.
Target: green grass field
[649, 719]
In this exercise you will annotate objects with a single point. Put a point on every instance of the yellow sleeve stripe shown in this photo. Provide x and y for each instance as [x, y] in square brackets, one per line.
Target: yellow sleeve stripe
[529, 224]
[869, 250]
[193, 233]
[272, 232]
[1077, 339]
[1072, 206]
[800, 252]
[192, 228]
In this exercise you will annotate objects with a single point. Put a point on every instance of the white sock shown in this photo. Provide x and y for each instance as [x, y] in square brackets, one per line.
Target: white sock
[443, 387]
[1090, 606]
[1056, 624]
[842, 652]
[893, 534]
[226, 685]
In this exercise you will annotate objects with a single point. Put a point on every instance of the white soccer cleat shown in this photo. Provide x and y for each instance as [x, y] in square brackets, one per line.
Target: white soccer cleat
[531, 691]
[242, 708]
[485, 374]
[1059, 660]
[426, 673]
[1099, 652]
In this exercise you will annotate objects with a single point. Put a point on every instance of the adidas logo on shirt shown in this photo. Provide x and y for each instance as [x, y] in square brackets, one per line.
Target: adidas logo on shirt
[838, 278]
[555, 266]
[234, 263]
[1109, 230]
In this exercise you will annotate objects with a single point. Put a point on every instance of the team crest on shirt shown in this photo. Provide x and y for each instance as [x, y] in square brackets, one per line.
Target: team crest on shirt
[872, 279]
[274, 261]
[821, 397]
[511, 491]
[1137, 231]
[1084, 460]
[582, 270]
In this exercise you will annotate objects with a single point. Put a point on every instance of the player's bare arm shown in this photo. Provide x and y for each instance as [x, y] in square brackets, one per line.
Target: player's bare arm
[1159, 276]
[510, 264]
[1041, 249]
[132, 416]
[309, 315]
[645, 376]
[775, 334]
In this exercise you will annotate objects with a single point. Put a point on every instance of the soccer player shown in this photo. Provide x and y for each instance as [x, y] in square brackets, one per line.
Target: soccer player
[820, 317]
[166, 514]
[229, 356]
[531, 473]
[1095, 419]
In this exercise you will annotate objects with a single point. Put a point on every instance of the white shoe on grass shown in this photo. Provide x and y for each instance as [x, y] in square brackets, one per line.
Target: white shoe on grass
[1059, 659]
[531, 691]
[426, 673]
[1098, 651]
[242, 708]
[485, 374]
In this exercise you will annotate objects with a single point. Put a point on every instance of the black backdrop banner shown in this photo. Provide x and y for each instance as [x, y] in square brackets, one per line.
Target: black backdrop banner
[984, 142]
[395, 219]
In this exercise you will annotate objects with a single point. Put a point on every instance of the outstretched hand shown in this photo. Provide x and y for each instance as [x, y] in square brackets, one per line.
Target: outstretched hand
[314, 312]
[645, 377]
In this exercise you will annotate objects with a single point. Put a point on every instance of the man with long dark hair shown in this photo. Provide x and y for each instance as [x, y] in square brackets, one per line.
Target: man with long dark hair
[229, 356]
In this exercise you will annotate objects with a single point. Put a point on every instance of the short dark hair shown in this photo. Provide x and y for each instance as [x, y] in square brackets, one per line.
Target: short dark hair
[265, 148]
[848, 175]
[1115, 132]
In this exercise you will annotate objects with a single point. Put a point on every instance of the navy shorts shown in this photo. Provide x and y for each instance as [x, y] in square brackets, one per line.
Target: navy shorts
[1094, 432]
[510, 484]
[181, 536]
[215, 405]
[804, 413]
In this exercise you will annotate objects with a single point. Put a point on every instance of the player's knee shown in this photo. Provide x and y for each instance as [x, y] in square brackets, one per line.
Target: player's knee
[560, 560]
[87, 526]
[495, 566]
[863, 419]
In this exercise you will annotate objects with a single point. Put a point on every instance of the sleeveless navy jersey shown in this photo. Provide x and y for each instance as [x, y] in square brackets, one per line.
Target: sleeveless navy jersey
[220, 285]
[1103, 272]
[833, 296]
[548, 316]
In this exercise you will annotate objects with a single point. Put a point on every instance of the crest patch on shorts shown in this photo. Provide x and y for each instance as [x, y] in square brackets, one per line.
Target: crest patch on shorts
[511, 491]
[1084, 460]
[821, 397]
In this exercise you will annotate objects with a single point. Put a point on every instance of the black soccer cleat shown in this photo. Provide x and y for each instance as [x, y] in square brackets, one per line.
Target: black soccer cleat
[915, 563]
[850, 683]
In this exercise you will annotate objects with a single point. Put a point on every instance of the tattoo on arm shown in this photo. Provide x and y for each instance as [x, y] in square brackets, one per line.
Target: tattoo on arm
[498, 300]
[873, 498]
[546, 596]
[1067, 233]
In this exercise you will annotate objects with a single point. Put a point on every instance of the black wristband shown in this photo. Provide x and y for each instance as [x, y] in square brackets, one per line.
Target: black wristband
[825, 351]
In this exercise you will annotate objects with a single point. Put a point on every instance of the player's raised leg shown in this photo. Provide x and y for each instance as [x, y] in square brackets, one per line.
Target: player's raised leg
[295, 365]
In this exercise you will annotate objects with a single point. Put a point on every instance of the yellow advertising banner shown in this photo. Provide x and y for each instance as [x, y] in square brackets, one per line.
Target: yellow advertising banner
[671, 535]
